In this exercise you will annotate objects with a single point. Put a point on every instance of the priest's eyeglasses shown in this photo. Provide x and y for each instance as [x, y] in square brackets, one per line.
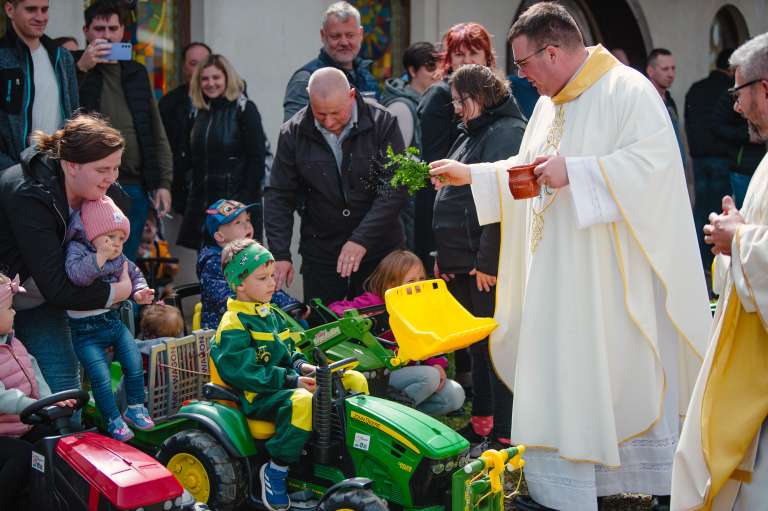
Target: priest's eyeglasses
[734, 91]
[522, 62]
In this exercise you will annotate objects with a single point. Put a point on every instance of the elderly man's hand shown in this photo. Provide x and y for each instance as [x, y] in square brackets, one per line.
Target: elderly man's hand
[349, 258]
[551, 171]
[283, 274]
[722, 228]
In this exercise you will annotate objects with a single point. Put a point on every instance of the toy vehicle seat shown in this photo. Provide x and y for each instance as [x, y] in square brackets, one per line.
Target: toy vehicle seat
[197, 317]
[217, 390]
[427, 320]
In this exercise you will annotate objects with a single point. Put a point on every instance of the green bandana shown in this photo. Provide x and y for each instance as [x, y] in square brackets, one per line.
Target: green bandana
[245, 263]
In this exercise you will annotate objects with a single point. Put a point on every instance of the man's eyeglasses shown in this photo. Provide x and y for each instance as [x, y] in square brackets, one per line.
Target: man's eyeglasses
[520, 63]
[734, 91]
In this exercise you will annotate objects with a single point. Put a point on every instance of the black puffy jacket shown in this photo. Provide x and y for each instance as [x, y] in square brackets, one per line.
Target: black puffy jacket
[354, 204]
[462, 244]
[227, 162]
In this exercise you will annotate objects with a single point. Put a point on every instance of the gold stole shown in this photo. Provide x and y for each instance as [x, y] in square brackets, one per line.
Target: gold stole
[735, 399]
[599, 62]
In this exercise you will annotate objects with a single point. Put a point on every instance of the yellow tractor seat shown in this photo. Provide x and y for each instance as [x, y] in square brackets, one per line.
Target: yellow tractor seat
[260, 429]
[197, 317]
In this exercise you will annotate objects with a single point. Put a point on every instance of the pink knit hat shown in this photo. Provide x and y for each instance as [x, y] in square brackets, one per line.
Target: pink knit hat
[103, 216]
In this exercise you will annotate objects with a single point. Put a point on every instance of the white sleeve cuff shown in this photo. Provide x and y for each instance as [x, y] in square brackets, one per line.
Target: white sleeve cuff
[485, 192]
[592, 202]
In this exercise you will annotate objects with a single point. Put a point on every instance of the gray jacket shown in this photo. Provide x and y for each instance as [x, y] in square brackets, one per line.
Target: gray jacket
[397, 89]
[18, 91]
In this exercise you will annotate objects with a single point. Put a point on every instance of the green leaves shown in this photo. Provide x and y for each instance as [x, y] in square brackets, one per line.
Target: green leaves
[409, 170]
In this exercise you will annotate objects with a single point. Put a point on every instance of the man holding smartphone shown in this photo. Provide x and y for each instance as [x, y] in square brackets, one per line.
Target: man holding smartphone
[37, 78]
[120, 90]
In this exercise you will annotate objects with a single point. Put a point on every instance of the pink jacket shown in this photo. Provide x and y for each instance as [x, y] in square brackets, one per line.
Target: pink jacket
[368, 299]
[20, 386]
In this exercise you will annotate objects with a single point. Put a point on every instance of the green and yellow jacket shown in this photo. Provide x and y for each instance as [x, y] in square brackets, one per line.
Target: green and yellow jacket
[253, 350]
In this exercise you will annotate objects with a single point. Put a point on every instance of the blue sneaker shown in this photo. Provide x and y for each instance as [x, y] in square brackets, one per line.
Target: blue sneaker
[274, 493]
[138, 417]
[119, 430]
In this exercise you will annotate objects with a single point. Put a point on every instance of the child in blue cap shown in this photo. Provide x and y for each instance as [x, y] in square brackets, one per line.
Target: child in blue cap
[226, 221]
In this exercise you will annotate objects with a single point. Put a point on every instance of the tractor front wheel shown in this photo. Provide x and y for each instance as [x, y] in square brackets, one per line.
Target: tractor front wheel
[205, 469]
[353, 500]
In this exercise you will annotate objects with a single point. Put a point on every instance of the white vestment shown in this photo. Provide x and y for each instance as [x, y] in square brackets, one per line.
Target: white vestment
[741, 430]
[602, 307]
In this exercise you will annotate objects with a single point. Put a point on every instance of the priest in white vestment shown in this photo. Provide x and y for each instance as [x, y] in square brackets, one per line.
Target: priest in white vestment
[601, 299]
[721, 460]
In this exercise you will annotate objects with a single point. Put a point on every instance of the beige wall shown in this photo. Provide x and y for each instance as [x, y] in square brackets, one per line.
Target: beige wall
[66, 19]
[683, 28]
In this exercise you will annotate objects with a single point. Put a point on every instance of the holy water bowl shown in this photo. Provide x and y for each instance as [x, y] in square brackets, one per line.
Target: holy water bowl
[522, 182]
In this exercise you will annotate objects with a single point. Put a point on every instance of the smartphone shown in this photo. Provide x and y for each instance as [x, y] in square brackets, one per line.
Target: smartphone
[120, 51]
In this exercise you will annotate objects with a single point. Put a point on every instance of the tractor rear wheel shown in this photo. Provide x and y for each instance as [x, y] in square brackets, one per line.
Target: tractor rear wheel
[353, 500]
[205, 469]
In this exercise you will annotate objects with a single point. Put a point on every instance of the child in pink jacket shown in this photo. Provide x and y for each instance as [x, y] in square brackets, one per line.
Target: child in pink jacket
[425, 383]
[21, 384]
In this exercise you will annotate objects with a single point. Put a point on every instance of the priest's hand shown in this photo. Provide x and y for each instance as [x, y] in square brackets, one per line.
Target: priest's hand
[721, 228]
[551, 171]
[449, 172]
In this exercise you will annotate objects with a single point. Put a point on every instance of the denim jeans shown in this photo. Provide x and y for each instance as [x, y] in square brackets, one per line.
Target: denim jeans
[739, 185]
[137, 215]
[45, 333]
[712, 183]
[90, 337]
[420, 384]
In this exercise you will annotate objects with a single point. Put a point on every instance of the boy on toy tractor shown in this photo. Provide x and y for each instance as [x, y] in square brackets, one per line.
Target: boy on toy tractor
[253, 353]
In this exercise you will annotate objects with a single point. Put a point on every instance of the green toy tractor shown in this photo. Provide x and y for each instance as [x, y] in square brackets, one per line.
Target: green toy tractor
[364, 451]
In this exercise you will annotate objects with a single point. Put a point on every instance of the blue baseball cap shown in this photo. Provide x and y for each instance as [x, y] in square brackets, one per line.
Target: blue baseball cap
[222, 212]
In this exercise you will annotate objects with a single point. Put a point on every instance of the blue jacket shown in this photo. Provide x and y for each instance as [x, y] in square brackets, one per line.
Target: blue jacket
[214, 290]
[296, 96]
[17, 91]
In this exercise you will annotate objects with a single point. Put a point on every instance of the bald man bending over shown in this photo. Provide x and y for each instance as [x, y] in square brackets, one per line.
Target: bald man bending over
[326, 169]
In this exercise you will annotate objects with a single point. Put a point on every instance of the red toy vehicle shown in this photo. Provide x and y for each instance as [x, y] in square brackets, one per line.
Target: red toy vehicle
[87, 471]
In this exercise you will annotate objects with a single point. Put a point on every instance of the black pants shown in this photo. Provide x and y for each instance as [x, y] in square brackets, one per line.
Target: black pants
[490, 396]
[322, 281]
[15, 464]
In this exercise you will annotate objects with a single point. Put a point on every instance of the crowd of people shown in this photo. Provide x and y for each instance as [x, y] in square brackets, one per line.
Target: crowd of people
[601, 333]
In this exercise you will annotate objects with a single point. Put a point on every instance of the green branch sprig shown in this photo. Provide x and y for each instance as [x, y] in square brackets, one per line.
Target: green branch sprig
[409, 170]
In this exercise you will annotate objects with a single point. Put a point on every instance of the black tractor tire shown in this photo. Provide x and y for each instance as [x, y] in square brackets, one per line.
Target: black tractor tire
[226, 476]
[356, 500]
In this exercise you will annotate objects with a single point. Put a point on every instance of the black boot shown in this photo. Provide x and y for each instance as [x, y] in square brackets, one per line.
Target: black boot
[526, 503]
[660, 503]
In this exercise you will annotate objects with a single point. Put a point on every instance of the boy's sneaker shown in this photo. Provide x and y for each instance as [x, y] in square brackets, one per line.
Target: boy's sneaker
[274, 494]
[119, 430]
[138, 417]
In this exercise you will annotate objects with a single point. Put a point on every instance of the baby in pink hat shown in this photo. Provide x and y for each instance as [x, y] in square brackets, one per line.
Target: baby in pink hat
[96, 235]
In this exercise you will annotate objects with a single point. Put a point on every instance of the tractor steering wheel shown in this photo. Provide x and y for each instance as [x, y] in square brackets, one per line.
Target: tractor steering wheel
[44, 411]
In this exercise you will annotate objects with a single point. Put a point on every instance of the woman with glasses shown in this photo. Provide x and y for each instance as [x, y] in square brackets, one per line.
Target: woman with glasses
[491, 128]
[227, 147]
[465, 43]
